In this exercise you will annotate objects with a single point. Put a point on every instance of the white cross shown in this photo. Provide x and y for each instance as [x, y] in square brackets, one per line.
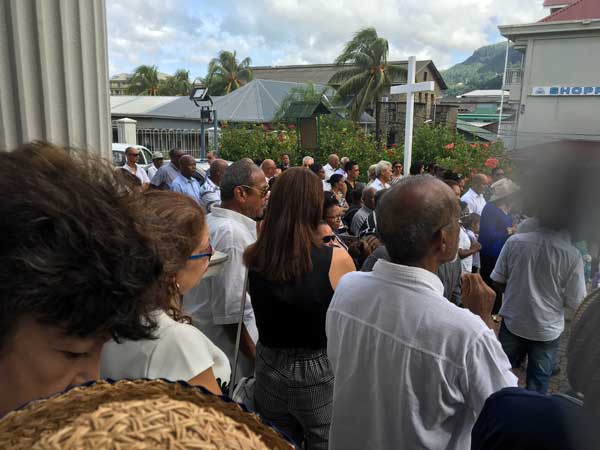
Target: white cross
[409, 89]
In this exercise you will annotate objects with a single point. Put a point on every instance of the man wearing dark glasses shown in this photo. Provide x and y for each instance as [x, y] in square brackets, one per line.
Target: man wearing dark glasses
[132, 154]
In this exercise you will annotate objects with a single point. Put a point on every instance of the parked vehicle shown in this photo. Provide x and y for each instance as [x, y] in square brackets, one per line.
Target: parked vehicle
[119, 159]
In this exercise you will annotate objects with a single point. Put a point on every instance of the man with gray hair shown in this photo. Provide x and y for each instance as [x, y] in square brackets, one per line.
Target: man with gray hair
[333, 162]
[214, 304]
[411, 369]
[383, 175]
[307, 161]
[268, 167]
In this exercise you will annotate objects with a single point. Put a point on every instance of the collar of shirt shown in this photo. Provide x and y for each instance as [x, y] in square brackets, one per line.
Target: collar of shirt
[472, 193]
[250, 224]
[414, 276]
[130, 170]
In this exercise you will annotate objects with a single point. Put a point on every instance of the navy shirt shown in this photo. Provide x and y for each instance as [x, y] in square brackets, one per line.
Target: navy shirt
[518, 419]
[493, 231]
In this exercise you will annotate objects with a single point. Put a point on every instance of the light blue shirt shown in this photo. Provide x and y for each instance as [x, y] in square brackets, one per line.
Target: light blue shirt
[186, 186]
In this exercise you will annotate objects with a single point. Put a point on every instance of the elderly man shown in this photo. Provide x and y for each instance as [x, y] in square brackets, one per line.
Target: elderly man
[411, 369]
[474, 197]
[268, 167]
[368, 205]
[132, 154]
[210, 193]
[383, 175]
[185, 183]
[157, 162]
[333, 162]
[307, 161]
[168, 172]
[214, 304]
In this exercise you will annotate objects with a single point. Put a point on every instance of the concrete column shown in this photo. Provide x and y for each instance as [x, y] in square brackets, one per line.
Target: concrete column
[126, 130]
[54, 74]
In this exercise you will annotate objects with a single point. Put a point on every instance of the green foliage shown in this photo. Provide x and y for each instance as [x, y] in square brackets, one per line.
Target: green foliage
[178, 84]
[144, 81]
[257, 142]
[366, 74]
[482, 70]
[225, 74]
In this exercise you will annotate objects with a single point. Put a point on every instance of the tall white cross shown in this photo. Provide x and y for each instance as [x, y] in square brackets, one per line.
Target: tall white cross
[409, 89]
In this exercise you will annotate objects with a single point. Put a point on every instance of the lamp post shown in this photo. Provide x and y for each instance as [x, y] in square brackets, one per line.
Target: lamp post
[202, 100]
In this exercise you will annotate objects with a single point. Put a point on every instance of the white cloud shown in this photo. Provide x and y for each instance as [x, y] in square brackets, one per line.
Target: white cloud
[186, 33]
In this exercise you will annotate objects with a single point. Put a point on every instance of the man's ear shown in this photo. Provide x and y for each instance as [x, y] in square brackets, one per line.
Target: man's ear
[239, 194]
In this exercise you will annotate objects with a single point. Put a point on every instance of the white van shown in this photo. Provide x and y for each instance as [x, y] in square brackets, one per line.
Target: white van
[119, 159]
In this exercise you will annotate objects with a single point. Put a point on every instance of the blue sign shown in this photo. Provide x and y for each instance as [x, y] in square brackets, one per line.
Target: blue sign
[558, 91]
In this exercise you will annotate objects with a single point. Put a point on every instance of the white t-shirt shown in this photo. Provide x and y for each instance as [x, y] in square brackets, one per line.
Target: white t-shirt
[412, 370]
[152, 169]
[139, 172]
[180, 352]
[475, 202]
[464, 243]
[378, 185]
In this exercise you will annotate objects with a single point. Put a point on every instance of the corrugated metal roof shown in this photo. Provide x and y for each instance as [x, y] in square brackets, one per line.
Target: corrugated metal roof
[485, 93]
[549, 3]
[475, 131]
[303, 110]
[578, 10]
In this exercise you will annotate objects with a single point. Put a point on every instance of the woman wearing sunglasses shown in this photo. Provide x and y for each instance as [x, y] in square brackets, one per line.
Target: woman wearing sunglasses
[292, 274]
[180, 351]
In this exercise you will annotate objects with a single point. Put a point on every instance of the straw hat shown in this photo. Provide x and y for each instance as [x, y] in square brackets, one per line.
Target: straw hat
[503, 188]
[140, 414]
[157, 155]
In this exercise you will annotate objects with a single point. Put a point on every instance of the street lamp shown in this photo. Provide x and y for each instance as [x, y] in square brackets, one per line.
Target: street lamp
[202, 100]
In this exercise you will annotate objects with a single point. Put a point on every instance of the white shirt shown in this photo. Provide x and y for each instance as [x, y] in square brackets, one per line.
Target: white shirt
[378, 185]
[328, 171]
[180, 352]
[475, 202]
[543, 274]
[476, 257]
[412, 370]
[210, 194]
[326, 186]
[139, 172]
[464, 243]
[152, 171]
[216, 301]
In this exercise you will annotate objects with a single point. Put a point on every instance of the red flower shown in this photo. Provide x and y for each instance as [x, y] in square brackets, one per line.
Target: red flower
[292, 126]
[449, 146]
[492, 163]
[394, 145]
[473, 145]
[486, 145]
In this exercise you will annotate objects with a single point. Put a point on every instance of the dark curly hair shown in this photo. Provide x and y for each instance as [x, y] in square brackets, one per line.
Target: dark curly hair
[71, 252]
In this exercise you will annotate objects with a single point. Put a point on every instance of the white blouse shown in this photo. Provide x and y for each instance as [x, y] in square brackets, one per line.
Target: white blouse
[180, 352]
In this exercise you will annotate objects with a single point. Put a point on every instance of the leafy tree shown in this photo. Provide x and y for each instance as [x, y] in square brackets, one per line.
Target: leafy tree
[306, 93]
[225, 74]
[144, 81]
[365, 74]
[178, 84]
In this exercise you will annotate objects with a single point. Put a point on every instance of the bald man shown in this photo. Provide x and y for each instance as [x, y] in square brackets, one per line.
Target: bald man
[185, 183]
[333, 162]
[413, 368]
[210, 191]
[268, 167]
[474, 197]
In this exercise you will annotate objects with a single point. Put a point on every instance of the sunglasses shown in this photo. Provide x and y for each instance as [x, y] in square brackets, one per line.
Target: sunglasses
[133, 154]
[328, 239]
[262, 192]
[208, 254]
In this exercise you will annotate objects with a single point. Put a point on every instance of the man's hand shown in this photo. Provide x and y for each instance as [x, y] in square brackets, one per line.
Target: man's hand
[478, 297]
[475, 247]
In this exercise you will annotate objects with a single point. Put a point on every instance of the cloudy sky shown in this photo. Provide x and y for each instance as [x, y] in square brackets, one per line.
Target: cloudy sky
[174, 34]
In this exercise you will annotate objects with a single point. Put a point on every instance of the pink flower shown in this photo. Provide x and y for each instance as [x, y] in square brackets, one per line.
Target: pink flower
[492, 163]
[473, 145]
[450, 146]
[291, 126]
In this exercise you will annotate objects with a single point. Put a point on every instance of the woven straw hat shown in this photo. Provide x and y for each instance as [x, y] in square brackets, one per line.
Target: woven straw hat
[503, 188]
[137, 415]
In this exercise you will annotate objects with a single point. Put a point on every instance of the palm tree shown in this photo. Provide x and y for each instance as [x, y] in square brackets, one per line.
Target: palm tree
[225, 74]
[144, 81]
[365, 74]
[178, 84]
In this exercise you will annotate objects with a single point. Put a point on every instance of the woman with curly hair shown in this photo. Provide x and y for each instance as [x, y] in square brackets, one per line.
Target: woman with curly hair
[180, 351]
[76, 270]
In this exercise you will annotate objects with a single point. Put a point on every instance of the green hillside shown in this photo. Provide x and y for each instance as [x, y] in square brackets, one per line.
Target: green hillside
[482, 70]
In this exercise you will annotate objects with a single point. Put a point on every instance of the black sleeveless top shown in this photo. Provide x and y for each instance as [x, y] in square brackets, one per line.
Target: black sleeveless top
[292, 315]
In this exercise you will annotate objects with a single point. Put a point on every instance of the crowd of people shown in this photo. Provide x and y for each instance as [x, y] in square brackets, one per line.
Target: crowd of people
[387, 314]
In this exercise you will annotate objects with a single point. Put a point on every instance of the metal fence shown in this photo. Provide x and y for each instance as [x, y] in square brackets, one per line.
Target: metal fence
[163, 140]
[513, 76]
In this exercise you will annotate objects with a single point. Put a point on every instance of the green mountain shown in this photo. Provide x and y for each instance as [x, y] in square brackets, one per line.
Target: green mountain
[482, 70]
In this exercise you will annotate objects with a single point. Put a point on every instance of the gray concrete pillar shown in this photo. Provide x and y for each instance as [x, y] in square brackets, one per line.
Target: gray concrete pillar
[126, 131]
[54, 74]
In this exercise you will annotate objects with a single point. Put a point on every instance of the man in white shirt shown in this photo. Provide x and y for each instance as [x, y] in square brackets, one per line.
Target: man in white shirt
[268, 167]
[383, 176]
[215, 304]
[132, 154]
[210, 192]
[474, 196]
[540, 273]
[333, 162]
[342, 167]
[157, 161]
[412, 370]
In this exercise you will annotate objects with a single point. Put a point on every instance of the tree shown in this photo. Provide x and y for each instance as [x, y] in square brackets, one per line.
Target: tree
[365, 74]
[144, 81]
[306, 93]
[225, 74]
[178, 84]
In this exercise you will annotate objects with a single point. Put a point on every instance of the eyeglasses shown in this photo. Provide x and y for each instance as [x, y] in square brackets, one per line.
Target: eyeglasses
[208, 254]
[262, 192]
[328, 239]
